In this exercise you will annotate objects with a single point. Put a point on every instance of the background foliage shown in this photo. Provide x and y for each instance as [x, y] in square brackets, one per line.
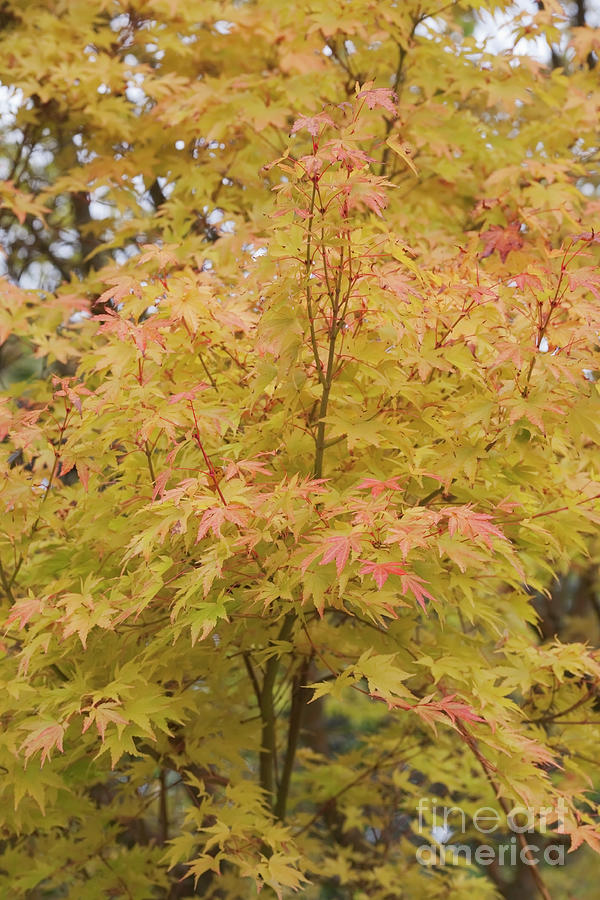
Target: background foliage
[299, 420]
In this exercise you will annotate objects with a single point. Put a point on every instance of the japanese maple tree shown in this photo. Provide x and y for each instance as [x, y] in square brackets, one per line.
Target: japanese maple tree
[299, 423]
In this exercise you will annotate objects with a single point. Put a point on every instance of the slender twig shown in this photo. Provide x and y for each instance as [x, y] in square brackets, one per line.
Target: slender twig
[208, 375]
[211, 469]
[550, 717]
[148, 453]
[309, 307]
[544, 321]
[330, 800]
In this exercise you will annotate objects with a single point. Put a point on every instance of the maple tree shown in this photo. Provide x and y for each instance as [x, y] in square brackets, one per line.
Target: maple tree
[299, 424]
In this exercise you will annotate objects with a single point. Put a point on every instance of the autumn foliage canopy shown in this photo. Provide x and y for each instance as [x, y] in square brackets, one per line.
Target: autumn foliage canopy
[299, 417]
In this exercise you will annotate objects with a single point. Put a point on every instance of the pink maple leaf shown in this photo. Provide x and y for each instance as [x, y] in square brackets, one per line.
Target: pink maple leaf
[44, 739]
[312, 124]
[381, 571]
[377, 487]
[350, 157]
[379, 97]
[472, 524]
[413, 583]
[189, 394]
[456, 709]
[215, 517]
[335, 548]
[526, 280]
[23, 610]
[338, 550]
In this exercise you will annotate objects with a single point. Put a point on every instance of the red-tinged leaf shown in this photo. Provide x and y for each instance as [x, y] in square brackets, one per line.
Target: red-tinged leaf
[392, 703]
[102, 716]
[72, 391]
[383, 98]
[164, 257]
[508, 506]
[501, 240]
[381, 571]
[432, 711]
[20, 203]
[435, 477]
[414, 584]
[338, 549]
[373, 196]
[414, 529]
[312, 165]
[399, 283]
[121, 286]
[84, 474]
[65, 466]
[587, 834]
[307, 489]
[588, 277]
[23, 610]
[181, 488]
[350, 157]
[161, 483]
[410, 583]
[189, 394]
[592, 237]
[312, 124]
[237, 320]
[428, 714]
[214, 518]
[377, 487]
[251, 466]
[482, 295]
[44, 739]
[465, 520]
[507, 351]
[526, 280]
[534, 751]
[457, 710]
[335, 548]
